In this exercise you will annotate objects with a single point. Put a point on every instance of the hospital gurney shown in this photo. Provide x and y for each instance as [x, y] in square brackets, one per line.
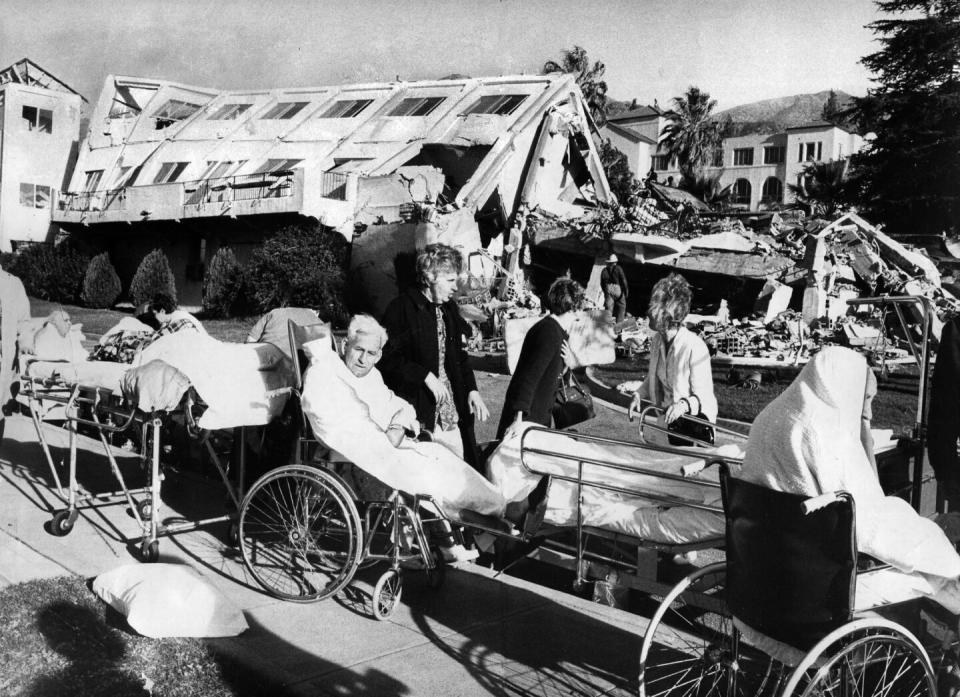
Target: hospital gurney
[88, 395]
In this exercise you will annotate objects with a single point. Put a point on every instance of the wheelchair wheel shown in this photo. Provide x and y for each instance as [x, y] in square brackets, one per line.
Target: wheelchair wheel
[386, 594]
[300, 533]
[864, 657]
[692, 648]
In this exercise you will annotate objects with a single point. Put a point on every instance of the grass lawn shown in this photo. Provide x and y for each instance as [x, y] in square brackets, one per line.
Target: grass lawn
[60, 639]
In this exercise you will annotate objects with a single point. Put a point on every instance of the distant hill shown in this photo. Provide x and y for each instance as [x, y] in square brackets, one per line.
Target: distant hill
[768, 115]
[774, 115]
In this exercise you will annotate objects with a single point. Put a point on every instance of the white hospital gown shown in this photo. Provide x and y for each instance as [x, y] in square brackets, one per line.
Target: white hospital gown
[349, 414]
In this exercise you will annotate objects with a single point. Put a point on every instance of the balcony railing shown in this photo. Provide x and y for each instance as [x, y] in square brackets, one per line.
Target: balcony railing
[243, 187]
[87, 201]
[333, 185]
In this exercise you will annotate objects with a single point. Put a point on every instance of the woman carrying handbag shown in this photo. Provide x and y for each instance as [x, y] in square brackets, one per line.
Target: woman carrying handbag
[545, 355]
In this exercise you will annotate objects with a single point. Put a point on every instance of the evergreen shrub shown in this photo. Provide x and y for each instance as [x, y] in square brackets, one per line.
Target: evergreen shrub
[101, 284]
[153, 276]
[302, 265]
[51, 272]
[222, 284]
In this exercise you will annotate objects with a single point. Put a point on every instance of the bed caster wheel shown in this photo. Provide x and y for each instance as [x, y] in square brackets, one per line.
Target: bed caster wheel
[386, 594]
[233, 534]
[438, 574]
[145, 509]
[62, 522]
[149, 551]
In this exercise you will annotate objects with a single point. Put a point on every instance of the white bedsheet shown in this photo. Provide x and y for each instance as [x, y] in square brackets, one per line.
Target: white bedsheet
[90, 373]
[631, 515]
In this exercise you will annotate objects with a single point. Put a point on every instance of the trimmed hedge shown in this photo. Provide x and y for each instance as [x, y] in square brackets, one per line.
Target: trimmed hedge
[301, 266]
[101, 284]
[153, 276]
[49, 272]
[222, 284]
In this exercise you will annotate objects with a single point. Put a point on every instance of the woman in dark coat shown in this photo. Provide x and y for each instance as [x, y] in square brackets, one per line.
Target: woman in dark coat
[425, 359]
[544, 356]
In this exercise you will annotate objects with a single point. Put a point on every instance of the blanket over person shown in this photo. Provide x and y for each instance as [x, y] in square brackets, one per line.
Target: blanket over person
[241, 384]
[807, 442]
[350, 415]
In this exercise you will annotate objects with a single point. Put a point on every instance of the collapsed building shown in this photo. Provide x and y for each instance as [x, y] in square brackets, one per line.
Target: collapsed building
[390, 166]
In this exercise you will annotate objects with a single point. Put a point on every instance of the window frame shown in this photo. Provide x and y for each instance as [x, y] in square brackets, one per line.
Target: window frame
[92, 179]
[496, 104]
[281, 166]
[419, 106]
[173, 174]
[736, 198]
[36, 200]
[230, 111]
[340, 109]
[774, 154]
[660, 163]
[741, 154]
[41, 120]
[283, 111]
[174, 115]
[764, 196]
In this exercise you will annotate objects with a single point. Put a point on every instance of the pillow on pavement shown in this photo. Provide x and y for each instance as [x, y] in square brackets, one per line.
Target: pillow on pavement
[169, 600]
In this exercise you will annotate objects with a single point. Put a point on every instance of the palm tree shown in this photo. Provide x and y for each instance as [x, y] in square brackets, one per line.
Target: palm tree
[692, 134]
[821, 187]
[707, 188]
[589, 79]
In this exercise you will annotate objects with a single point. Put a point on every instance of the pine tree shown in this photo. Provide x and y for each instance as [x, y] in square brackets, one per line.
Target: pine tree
[153, 276]
[907, 177]
[101, 284]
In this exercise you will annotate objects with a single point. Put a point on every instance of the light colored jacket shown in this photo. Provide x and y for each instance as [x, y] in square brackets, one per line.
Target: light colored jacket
[680, 370]
[14, 313]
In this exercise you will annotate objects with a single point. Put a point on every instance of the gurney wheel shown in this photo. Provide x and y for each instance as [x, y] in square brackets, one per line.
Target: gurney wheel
[62, 523]
[438, 574]
[233, 534]
[145, 509]
[150, 551]
[386, 594]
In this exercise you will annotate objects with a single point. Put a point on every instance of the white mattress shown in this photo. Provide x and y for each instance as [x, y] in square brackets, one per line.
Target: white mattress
[629, 514]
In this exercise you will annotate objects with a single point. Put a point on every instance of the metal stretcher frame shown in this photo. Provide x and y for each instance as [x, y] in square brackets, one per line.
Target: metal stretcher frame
[589, 564]
[102, 405]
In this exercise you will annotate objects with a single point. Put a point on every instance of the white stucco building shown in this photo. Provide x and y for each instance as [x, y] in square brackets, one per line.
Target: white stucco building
[39, 134]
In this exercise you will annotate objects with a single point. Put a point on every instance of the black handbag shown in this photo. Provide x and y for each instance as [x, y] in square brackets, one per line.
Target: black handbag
[693, 429]
[572, 404]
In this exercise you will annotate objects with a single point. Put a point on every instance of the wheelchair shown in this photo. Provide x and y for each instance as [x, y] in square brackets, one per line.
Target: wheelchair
[303, 532]
[777, 617]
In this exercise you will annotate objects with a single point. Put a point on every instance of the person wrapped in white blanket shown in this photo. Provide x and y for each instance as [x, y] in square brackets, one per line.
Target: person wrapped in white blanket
[354, 413]
[814, 439]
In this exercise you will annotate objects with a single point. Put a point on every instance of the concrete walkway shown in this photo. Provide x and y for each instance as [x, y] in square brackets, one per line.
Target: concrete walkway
[476, 635]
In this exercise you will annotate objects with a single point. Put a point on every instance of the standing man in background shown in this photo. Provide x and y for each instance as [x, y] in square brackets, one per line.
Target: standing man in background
[615, 290]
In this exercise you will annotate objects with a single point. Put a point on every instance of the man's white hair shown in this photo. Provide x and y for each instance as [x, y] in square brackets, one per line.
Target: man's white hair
[365, 324]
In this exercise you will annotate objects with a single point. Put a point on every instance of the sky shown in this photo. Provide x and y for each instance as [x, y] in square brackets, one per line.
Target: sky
[739, 51]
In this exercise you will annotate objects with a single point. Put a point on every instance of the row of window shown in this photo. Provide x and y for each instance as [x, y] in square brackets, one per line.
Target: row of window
[743, 157]
[772, 191]
[176, 110]
[215, 169]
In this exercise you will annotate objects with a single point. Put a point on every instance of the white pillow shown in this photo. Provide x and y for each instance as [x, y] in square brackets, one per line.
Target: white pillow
[169, 600]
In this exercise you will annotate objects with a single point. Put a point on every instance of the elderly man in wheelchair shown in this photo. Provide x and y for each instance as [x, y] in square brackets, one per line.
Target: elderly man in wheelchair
[372, 453]
[794, 610]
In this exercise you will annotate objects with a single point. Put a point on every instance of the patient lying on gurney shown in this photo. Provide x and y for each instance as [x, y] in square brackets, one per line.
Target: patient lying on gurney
[351, 410]
[815, 438]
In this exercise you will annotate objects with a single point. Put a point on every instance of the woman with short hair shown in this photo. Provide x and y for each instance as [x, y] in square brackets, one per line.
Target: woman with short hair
[679, 379]
[425, 360]
[543, 358]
